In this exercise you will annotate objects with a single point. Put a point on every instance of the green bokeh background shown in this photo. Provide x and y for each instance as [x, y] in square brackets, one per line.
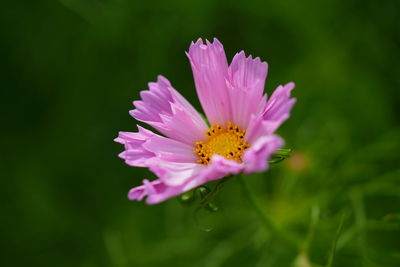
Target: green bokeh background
[70, 70]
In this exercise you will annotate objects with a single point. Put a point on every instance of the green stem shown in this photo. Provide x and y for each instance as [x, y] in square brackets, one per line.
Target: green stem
[211, 195]
[269, 225]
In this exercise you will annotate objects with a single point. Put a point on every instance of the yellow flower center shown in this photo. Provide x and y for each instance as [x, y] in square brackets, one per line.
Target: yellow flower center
[228, 142]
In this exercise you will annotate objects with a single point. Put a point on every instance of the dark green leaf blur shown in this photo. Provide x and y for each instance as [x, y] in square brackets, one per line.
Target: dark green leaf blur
[70, 70]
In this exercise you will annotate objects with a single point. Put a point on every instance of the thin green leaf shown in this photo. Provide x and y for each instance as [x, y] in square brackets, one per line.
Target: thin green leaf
[333, 248]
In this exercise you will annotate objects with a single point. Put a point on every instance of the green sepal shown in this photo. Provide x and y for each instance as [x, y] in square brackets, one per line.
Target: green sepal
[280, 155]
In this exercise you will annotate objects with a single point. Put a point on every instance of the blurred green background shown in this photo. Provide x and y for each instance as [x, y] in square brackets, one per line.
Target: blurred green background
[70, 70]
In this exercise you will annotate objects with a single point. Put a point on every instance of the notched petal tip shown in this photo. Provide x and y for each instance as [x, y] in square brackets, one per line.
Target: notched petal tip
[289, 86]
[194, 45]
[122, 155]
[118, 139]
[283, 90]
[248, 59]
[162, 79]
[240, 54]
[204, 45]
[216, 41]
[198, 41]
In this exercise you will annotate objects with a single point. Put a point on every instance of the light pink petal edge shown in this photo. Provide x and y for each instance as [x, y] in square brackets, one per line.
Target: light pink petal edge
[158, 191]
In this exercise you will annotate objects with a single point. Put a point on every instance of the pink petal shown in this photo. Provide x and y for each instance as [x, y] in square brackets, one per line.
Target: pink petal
[167, 149]
[219, 167]
[191, 175]
[138, 193]
[170, 113]
[259, 127]
[246, 84]
[210, 71]
[158, 190]
[256, 157]
[279, 105]
[177, 178]
[174, 173]
[134, 154]
[155, 191]
[143, 146]
[271, 114]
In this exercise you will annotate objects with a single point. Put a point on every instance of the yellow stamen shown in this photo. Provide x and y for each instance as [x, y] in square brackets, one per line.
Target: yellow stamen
[228, 142]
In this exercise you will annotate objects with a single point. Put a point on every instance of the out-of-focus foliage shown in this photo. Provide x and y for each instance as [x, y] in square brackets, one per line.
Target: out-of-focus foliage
[70, 70]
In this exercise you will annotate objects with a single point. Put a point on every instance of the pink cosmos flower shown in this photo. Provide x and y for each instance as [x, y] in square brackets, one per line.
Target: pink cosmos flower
[239, 139]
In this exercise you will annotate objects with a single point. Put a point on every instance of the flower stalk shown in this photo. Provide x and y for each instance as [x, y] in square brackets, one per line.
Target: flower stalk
[267, 222]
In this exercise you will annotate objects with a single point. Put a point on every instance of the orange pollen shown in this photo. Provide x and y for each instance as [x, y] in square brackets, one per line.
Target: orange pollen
[228, 142]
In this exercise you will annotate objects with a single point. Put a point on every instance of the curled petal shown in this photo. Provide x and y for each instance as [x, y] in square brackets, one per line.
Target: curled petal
[256, 157]
[155, 191]
[139, 192]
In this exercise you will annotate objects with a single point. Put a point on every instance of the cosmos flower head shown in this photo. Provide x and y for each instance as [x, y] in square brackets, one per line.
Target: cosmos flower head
[239, 136]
